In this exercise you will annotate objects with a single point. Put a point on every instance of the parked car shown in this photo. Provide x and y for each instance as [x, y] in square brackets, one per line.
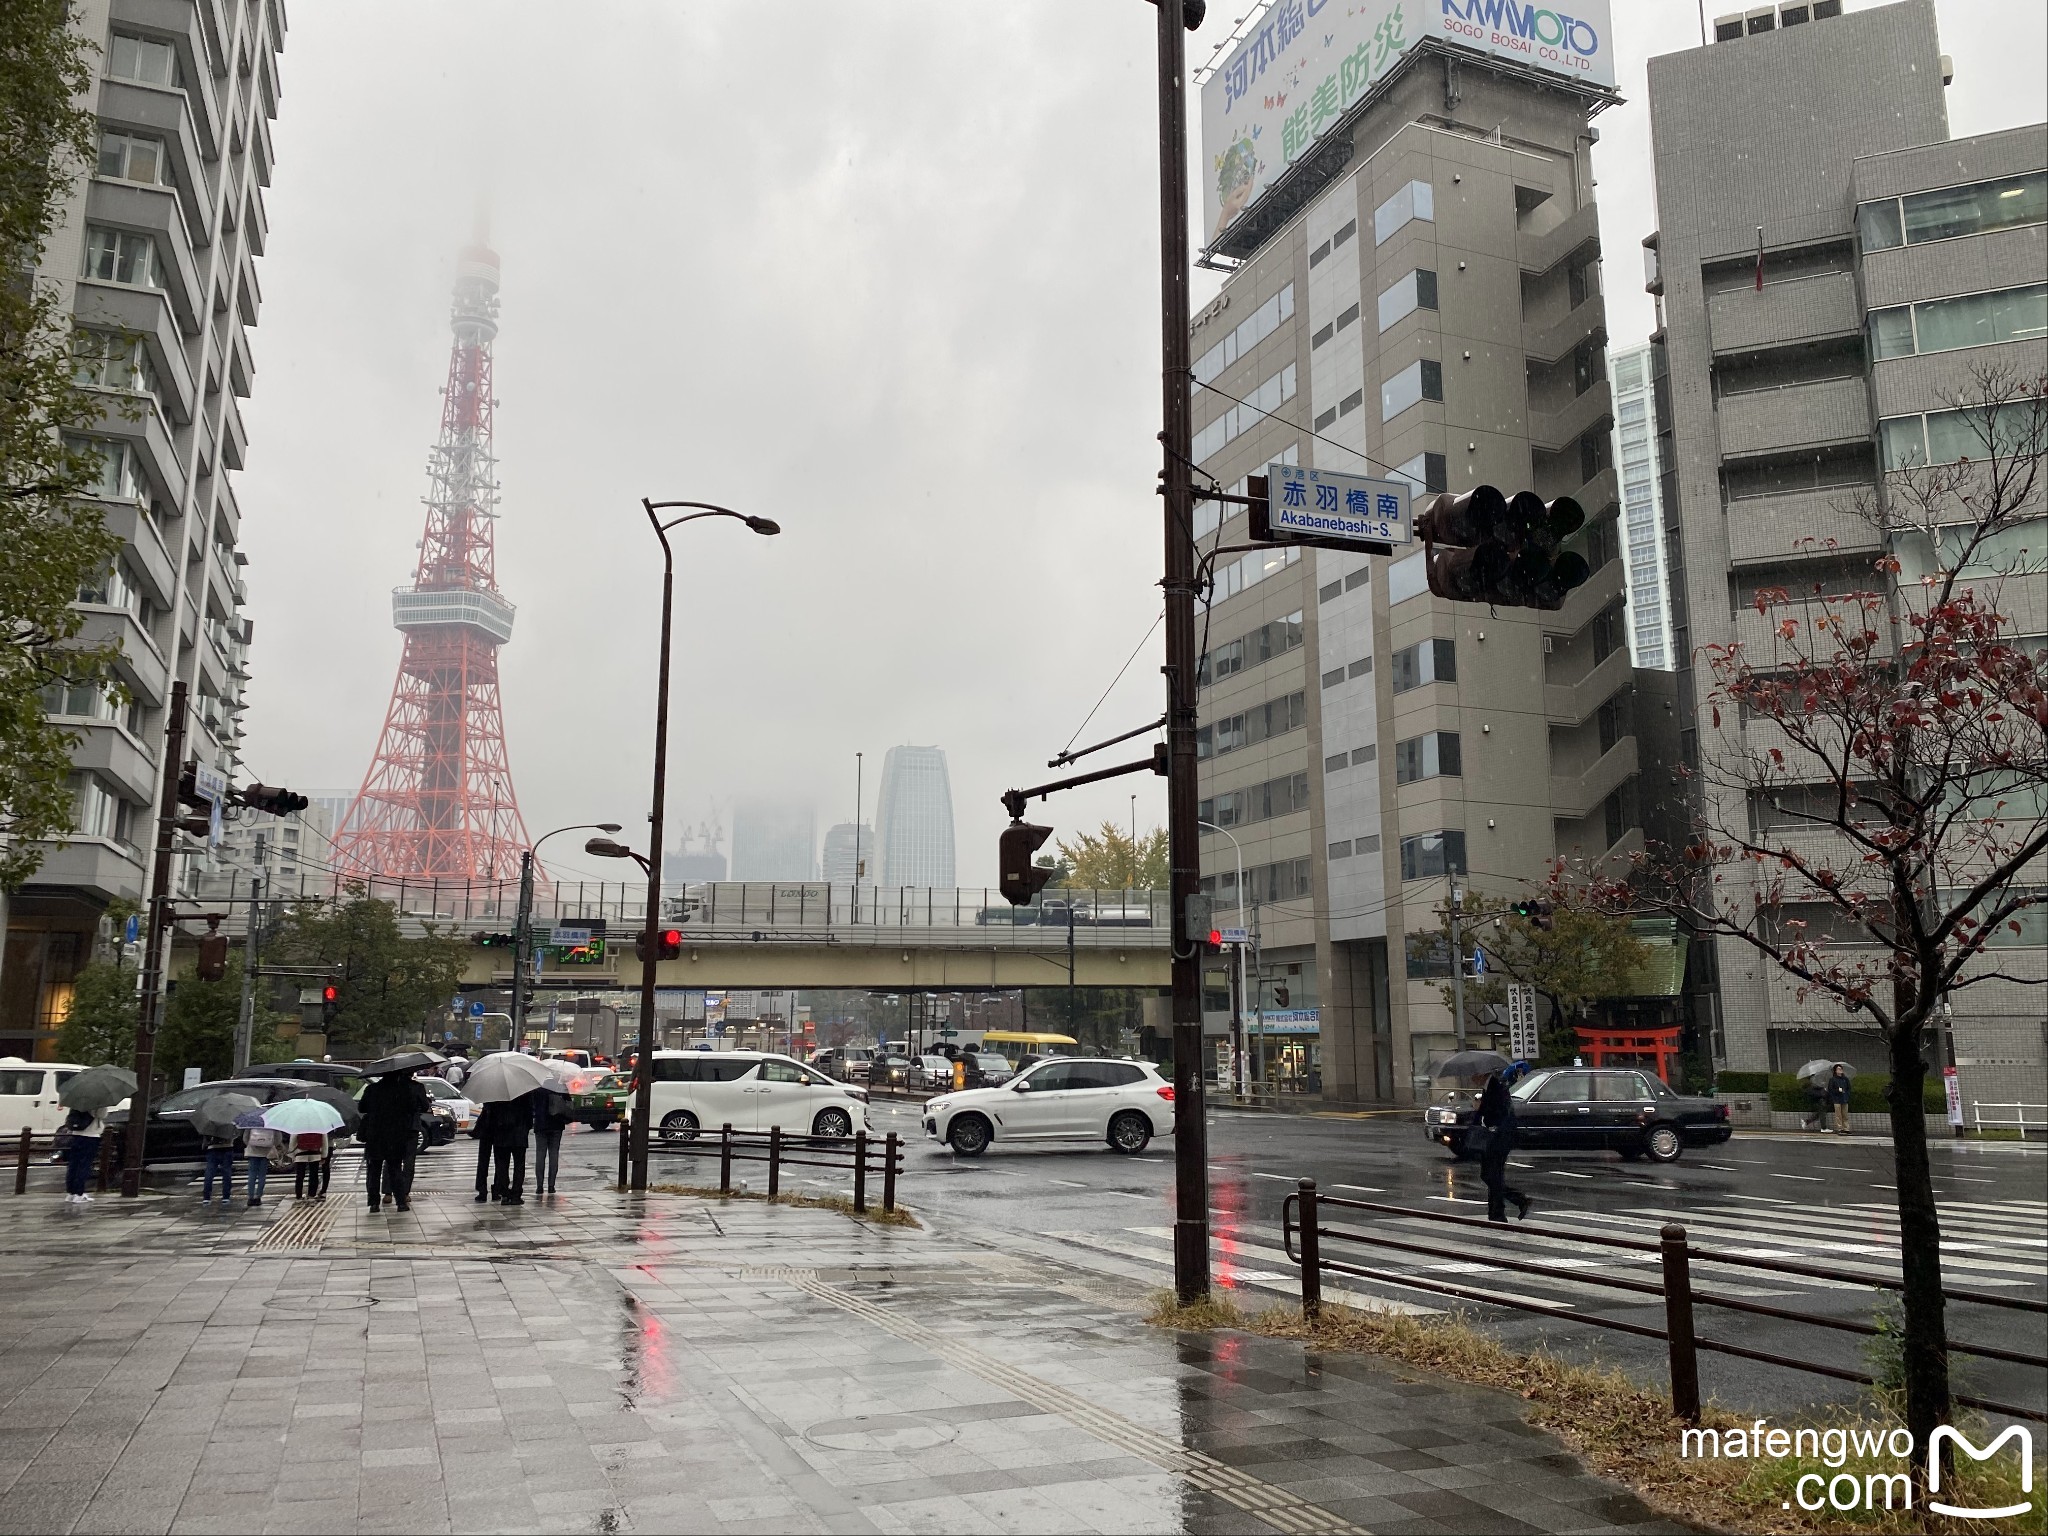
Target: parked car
[933, 1074]
[699, 1091]
[438, 1125]
[1122, 1103]
[464, 1110]
[1007, 916]
[848, 1063]
[28, 1095]
[604, 1103]
[1581, 1108]
[169, 1137]
[346, 1076]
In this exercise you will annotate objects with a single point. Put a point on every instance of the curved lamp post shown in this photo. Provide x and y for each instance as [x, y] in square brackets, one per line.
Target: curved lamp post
[650, 948]
[522, 928]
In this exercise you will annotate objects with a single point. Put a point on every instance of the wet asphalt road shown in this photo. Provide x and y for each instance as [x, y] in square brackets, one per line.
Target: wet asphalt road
[1819, 1200]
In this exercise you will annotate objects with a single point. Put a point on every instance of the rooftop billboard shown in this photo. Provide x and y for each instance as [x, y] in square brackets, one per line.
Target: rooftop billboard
[1305, 63]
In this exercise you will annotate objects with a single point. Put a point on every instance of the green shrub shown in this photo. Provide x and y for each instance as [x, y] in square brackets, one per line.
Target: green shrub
[1742, 1082]
[1866, 1093]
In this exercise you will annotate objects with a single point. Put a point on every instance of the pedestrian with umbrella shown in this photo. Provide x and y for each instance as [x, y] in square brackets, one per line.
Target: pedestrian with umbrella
[1495, 1134]
[308, 1123]
[392, 1106]
[88, 1097]
[500, 1082]
[214, 1123]
[1813, 1080]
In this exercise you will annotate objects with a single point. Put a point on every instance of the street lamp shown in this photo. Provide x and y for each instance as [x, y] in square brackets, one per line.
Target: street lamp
[1237, 1009]
[522, 929]
[650, 948]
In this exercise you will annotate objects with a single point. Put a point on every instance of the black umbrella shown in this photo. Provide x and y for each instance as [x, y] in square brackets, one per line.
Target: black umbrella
[351, 1112]
[97, 1087]
[405, 1061]
[1472, 1064]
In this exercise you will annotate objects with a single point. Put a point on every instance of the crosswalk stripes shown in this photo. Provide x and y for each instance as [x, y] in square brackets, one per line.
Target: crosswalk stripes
[1986, 1245]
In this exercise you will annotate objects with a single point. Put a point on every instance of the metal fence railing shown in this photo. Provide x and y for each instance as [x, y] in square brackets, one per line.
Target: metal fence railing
[2021, 1117]
[858, 1154]
[1303, 1219]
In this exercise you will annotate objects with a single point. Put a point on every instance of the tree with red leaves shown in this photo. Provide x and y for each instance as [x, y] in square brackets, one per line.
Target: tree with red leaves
[1877, 829]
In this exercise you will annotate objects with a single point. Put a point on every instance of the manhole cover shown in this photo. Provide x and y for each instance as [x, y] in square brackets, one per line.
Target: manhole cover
[879, 1432]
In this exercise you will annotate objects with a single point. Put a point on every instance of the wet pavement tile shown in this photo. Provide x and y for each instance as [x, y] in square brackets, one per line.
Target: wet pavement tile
[596, 1363]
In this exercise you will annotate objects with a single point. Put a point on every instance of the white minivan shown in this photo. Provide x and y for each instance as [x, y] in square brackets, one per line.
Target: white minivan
[28, 1094]
[699, 1091]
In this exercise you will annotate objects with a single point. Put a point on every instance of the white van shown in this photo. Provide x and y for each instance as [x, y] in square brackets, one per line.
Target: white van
[699, 1091]
[28, 1094]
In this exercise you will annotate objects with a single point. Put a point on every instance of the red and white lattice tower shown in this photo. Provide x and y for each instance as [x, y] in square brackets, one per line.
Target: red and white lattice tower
[437, 803]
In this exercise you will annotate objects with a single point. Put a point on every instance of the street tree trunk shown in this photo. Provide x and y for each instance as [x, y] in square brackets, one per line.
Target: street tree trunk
[1926, 1334]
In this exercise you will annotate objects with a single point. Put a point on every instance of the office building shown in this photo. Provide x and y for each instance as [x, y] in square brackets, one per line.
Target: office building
[1417, 291]
[156, 254]
[849, 856]
[293, 855]
[1821, 311]
[914, 819]
[774, 840]
[1642, 507]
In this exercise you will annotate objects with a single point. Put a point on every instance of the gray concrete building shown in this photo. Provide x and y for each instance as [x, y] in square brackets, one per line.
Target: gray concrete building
[157, 253]
[1831, 268]
[774, 840]
[849, 855]
[1430, 306]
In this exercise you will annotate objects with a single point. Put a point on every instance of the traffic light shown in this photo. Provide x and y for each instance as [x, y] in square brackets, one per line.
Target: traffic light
[1280, 994]
[266, 797]
[213, 952]
[1502, 550]
[1020, 878]
[1213, 944]
[330, 1003]
[668, 944]
[1540, 915]
[494, 940]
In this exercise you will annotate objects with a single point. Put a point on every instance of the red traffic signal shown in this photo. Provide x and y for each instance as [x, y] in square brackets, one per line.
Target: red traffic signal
[668, 944]
[329, 993]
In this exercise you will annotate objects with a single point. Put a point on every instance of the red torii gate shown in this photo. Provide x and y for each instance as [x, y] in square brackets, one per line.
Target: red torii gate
[1598, 1042]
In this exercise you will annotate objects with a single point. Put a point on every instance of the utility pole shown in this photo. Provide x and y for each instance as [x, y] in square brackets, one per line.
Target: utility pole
[158, 920]
[858, 764]
[245, 1021]
[1458, 962]
[522, 929]
[1183, 838]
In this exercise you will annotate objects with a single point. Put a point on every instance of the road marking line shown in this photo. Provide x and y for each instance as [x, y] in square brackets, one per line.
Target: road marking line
[1363, 1189]
[1283, 1178]
[1559, 1173]
[1722, 1167]
[1804, 1178]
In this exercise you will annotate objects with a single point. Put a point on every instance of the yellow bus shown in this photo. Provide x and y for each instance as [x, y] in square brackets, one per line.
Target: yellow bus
[1018, 1046]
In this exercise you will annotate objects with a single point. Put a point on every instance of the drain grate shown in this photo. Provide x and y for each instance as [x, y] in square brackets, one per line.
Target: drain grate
[1276, 1506]
[306, 1225]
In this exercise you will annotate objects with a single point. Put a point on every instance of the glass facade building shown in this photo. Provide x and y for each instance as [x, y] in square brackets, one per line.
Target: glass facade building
[914, 823]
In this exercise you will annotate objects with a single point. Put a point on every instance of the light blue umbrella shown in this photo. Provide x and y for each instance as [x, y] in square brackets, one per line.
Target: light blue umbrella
[302, 1115]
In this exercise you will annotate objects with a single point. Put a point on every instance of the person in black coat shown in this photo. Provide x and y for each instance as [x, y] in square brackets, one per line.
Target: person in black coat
[1497, 1117]
[392, 1106]
[510, 1126]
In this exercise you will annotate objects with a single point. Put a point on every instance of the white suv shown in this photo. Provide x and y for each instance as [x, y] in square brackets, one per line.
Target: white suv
[28, 1095]
[1124, 1103]
[699, 1091]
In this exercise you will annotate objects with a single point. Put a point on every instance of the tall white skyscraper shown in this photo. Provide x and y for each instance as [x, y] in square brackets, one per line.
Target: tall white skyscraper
[914, 824]
[1642, 508]
[847, 847]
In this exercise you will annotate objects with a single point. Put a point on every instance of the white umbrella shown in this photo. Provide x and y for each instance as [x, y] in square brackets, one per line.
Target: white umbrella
[505, 1075]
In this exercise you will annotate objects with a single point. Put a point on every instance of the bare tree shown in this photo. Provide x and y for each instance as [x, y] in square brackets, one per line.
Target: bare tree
[1881, 834]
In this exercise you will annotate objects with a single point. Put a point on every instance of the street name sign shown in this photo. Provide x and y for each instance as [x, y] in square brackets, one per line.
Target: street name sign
[1333, 510]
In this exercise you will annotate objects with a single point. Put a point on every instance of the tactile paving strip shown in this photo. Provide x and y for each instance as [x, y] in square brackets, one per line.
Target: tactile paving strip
[1276, 1506]
[305, 1225]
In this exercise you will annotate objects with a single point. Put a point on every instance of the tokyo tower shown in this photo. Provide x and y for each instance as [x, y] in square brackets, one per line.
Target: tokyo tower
[437, 803]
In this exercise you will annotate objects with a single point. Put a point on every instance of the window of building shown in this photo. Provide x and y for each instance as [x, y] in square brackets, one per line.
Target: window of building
[133, 157]
[1333, 677]
[1943, 437]
[1361, 755]
[1232, 577]
[1968, 320]
[99, 812]
[120, 475]
[1415, 291]
[1249, 332]
[1419, 381]
[1432, 855]
[101, 360]
[2021, 549]
[1429, 661]
[1948, 213]
[1607, 635]
[80, 701]
[1258, 405]
[1434, 755]
[1335, 761]
[111, 588]
[1260, 802]
[1273, 718]
[1345, 233]
[1614, 721]
[1408, 577]
[1426, 472]
[1360, 668]
[1614, 811]
[1417, 200]
[142, 58]
[1340, 851]
[122, 256]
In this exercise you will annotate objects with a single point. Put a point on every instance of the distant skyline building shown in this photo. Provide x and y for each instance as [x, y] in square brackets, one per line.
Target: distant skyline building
[774, 840]
[914, 820]
[844, 852]
[1642, 507]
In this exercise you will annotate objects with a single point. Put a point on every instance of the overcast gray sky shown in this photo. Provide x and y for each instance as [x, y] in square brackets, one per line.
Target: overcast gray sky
[885, 273]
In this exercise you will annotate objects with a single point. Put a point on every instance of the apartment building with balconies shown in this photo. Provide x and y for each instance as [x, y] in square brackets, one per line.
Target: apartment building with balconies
[1820, 314]
[157, 251]
[1427, 304]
